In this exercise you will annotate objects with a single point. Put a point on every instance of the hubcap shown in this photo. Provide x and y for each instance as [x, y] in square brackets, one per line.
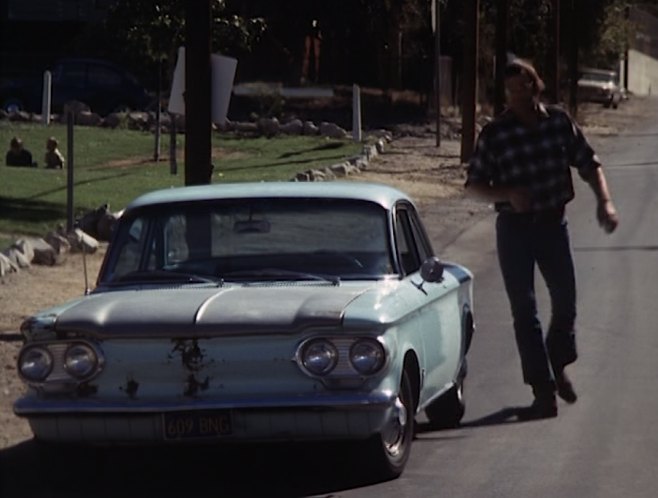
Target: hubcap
[393, 437]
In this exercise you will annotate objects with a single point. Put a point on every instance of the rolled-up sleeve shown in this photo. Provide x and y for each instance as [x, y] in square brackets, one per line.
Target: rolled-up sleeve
[480, 163]
[581, 153]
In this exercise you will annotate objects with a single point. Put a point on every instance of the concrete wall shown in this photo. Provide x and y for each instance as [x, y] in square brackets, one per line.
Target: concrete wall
[642, 73]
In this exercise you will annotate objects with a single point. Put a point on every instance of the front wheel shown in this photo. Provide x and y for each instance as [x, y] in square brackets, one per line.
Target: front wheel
[448, 410]
[389, 450]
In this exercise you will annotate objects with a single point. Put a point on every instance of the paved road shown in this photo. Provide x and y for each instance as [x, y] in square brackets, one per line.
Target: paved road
[603, 446]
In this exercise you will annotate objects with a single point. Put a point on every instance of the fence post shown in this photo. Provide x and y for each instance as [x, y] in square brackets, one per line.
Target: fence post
[173, 165]
[46, 97]
[356, 113]
[69, 172]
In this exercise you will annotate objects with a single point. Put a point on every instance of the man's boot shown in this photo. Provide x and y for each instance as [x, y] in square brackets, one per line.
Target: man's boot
[544, 405]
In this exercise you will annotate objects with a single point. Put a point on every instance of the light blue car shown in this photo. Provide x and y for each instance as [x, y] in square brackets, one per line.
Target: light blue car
[258, 311]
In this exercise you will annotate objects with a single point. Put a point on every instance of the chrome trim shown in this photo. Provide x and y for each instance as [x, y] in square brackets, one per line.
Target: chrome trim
[344, 367]
[58, 374]
[29, 405]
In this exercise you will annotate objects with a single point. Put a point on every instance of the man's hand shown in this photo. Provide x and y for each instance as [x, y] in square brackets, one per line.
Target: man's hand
[607, 215]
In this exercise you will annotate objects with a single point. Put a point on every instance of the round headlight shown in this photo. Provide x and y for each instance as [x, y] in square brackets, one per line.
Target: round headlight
[367, 356]
[35, 364]
[319, 356]
[80, 361]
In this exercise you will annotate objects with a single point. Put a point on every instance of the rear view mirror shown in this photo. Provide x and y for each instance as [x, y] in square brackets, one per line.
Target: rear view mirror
[252, 226]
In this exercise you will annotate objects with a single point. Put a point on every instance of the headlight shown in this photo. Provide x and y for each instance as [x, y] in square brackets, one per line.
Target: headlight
[80, 361]
[319, 356]
[367, 356]
[35, 364]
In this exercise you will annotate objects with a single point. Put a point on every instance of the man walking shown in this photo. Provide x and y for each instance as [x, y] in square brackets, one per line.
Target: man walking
[522, 162]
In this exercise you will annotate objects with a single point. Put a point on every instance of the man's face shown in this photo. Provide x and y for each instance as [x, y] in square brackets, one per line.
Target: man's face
[519, 91]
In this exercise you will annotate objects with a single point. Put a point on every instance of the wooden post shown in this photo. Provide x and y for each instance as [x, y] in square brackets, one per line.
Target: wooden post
[69, 171]
[502, 14]
[469, 79]
[198, 124]
[437, 70]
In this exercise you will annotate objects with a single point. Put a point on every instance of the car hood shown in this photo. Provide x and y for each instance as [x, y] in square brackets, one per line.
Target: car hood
[205, 312]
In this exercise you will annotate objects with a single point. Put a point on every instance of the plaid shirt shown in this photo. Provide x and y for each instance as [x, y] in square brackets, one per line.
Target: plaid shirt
[509, 153]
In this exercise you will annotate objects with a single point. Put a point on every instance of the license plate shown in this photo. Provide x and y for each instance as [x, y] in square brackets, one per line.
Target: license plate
[196, 424]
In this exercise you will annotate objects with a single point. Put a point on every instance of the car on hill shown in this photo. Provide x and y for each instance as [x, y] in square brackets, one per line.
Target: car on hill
[277, 311]
[102, 85]
[600, 85]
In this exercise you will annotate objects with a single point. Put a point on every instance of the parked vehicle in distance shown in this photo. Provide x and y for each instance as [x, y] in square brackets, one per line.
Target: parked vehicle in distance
[103, 86]
[599, 85]
[275, 311]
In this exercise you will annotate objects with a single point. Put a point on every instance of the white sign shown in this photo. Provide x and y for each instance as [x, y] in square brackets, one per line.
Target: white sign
[222, 75]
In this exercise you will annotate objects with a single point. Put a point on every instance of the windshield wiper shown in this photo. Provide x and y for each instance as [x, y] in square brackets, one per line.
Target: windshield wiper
[139, 276]
[279, 274]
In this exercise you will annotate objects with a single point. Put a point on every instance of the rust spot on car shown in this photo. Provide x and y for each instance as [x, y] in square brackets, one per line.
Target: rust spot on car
[131, 388]
[193, 385]
[85, 390]
[191, 354]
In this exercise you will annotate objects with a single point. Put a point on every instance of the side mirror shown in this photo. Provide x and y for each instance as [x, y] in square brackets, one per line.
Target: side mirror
[432, 270]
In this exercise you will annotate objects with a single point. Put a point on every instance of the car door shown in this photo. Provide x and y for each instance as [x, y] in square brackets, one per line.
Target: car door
[69, 83]
[437, 315]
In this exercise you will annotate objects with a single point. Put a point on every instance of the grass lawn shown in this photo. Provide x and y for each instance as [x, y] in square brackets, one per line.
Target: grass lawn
[115, 166]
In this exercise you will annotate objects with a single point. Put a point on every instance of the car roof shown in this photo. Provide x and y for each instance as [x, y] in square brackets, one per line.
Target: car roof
[597, 71]
[381, 194]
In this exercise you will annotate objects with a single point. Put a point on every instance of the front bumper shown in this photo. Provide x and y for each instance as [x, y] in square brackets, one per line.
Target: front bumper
[304, 418]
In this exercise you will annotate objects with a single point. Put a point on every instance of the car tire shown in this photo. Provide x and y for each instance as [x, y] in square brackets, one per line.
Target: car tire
[388, 452]
[447, 411]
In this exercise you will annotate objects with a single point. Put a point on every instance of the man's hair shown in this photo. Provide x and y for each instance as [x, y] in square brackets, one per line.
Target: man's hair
[15, 143]
[520, 66]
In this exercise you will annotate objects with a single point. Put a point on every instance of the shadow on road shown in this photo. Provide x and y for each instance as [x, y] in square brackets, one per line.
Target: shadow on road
[281, 470]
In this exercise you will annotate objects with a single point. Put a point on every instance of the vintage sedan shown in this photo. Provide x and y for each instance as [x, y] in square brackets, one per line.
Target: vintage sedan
[278, 311]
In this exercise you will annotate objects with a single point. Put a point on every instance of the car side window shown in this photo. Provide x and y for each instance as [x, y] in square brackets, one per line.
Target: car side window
[408, 254]
[100, 76]
[72, 74]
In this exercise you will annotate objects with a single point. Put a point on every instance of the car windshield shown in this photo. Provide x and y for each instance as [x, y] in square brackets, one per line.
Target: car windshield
[603, 77]
[251, 239]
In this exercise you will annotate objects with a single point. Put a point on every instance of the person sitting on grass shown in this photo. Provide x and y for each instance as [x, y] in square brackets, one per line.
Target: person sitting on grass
[17, 155]
[54, 158]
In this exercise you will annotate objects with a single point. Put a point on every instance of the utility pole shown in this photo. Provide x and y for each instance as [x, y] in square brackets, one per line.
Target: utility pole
[553, 63]
[572, 60]
[502, 14]
[437, 70]
[469, 78]
[198, 123]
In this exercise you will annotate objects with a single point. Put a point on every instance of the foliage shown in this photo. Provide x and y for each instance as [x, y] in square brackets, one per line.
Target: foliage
[147, 32]
[114, 166]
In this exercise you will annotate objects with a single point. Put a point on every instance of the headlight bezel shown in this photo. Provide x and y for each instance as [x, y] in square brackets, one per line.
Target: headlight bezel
[91, 369]
[377, 347]
[22, 361]
[344, 369]
[59, 372]
[304, 351]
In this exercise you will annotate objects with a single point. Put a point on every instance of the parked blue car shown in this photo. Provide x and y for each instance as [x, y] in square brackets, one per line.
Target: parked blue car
[102, 85]
[257, 311]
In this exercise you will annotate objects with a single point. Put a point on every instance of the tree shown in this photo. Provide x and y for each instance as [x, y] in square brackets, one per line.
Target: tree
[144, 33]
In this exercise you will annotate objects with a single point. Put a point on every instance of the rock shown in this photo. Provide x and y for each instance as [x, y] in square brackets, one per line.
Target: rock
[17, 257]
[332, 130]
[269, 127]
[294, 127]
[6, 265]
[310, 128]
[82, 242]
[24, 246]
[44, 253]
[58, 242]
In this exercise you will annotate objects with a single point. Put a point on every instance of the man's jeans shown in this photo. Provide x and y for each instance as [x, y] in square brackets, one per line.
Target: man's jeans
[523, 240]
